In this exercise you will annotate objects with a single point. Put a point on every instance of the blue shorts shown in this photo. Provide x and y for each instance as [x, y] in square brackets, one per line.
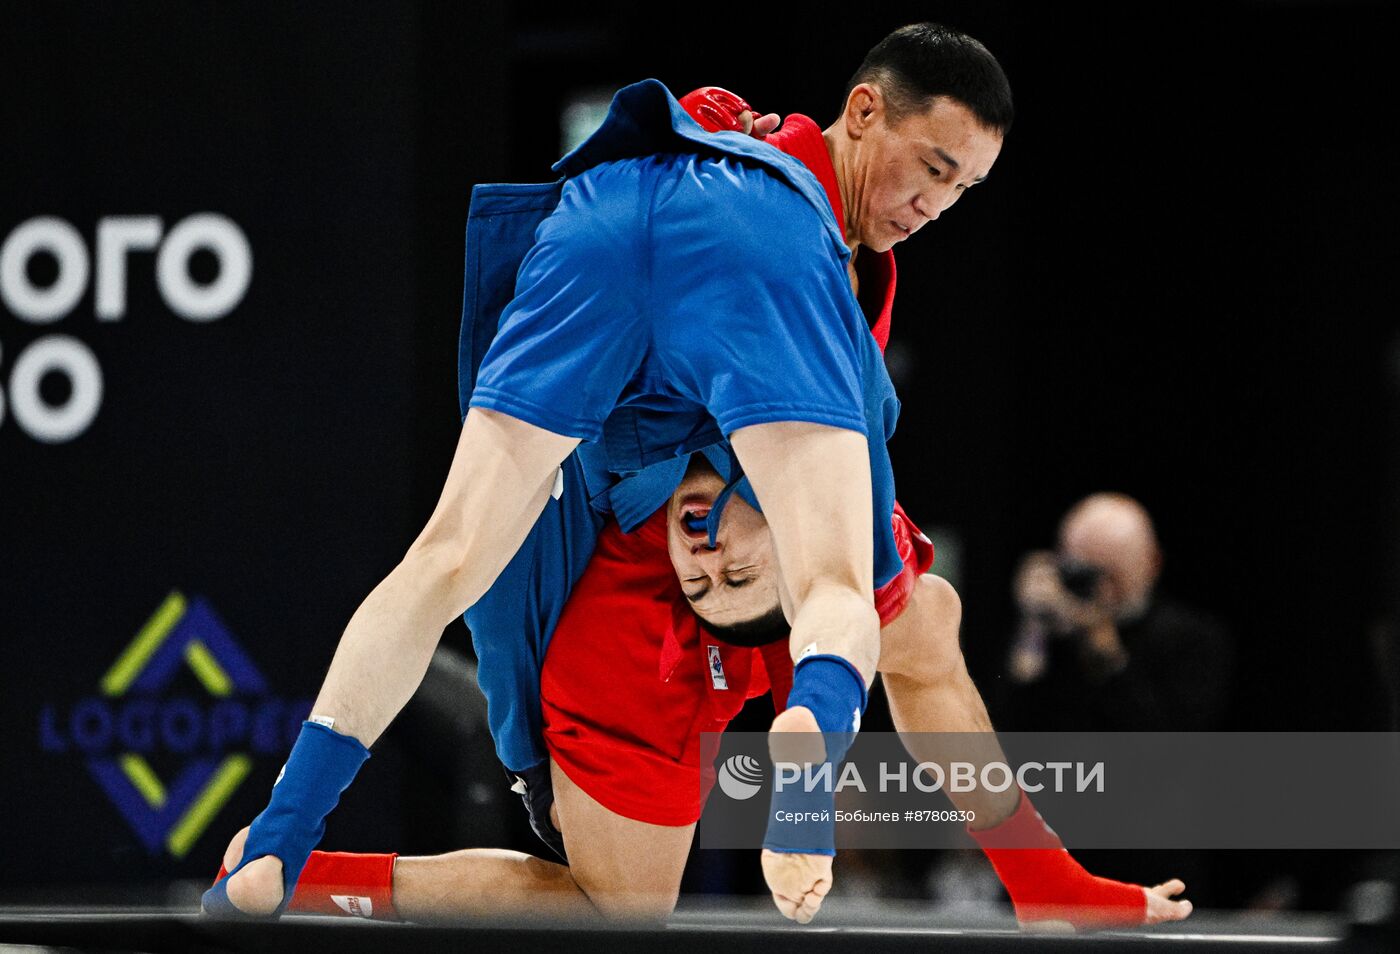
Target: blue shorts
[701, 290]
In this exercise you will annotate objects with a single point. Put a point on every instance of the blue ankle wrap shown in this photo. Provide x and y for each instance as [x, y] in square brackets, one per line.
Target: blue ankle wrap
[835, 692]
[803, 821]
[323, 763]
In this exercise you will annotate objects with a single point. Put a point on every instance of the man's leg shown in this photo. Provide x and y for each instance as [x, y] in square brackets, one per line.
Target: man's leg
[501, 476]
[814, 483]
[930, 695]
[619, 868]
[486, 882]
[475, 882]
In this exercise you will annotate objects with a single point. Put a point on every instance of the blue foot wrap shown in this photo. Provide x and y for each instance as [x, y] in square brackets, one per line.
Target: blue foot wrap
[802, 813]
[323, 763]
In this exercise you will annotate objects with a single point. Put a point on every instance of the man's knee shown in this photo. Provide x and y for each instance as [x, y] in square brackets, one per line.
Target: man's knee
[634, 892]
[947, 602]
[923, 643]
[636, 903]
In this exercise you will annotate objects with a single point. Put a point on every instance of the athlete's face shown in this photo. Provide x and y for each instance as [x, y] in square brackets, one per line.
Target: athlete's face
[902, 176]
[736, 581]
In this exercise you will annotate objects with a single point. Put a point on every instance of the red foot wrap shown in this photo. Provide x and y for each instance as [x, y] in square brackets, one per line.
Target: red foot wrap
[344, 884]
[1046, 884]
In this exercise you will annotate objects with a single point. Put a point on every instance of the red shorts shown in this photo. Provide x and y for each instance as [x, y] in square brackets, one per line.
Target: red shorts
[631, 679]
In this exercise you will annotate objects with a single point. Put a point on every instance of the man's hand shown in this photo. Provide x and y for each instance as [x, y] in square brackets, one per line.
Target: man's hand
[1041, 594]
[719, 110]
[758, 126]
[1037, 587]
[798, 882]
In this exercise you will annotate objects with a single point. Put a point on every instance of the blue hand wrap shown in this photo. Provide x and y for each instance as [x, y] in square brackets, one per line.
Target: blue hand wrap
[802, 821]
[323, 763]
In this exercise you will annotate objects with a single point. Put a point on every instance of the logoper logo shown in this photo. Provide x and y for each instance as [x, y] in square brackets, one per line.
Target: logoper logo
[140, 717]
[740, 777]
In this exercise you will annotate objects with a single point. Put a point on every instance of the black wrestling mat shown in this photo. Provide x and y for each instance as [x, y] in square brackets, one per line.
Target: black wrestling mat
[694, 930]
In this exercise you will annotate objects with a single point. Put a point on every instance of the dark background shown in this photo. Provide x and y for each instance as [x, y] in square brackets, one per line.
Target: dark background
[1175, 284]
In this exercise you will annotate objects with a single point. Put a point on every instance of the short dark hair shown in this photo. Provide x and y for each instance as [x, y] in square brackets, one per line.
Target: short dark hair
[921, 61]
[759, 631]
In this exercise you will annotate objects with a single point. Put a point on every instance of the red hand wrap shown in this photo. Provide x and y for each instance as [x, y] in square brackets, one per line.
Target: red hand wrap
[716, 109]
[345, 884]
[1046, 884]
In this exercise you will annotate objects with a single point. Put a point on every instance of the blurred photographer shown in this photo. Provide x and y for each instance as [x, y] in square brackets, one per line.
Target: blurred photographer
[1097, 649]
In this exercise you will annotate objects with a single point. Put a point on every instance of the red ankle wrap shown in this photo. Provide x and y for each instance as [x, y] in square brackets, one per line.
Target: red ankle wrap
[344, 884]
[1046, 884]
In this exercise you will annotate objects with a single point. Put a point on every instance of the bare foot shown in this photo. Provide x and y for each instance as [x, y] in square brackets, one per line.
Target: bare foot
[1160, 910]
[1160, 906]
[257, 889]
[798, 882]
